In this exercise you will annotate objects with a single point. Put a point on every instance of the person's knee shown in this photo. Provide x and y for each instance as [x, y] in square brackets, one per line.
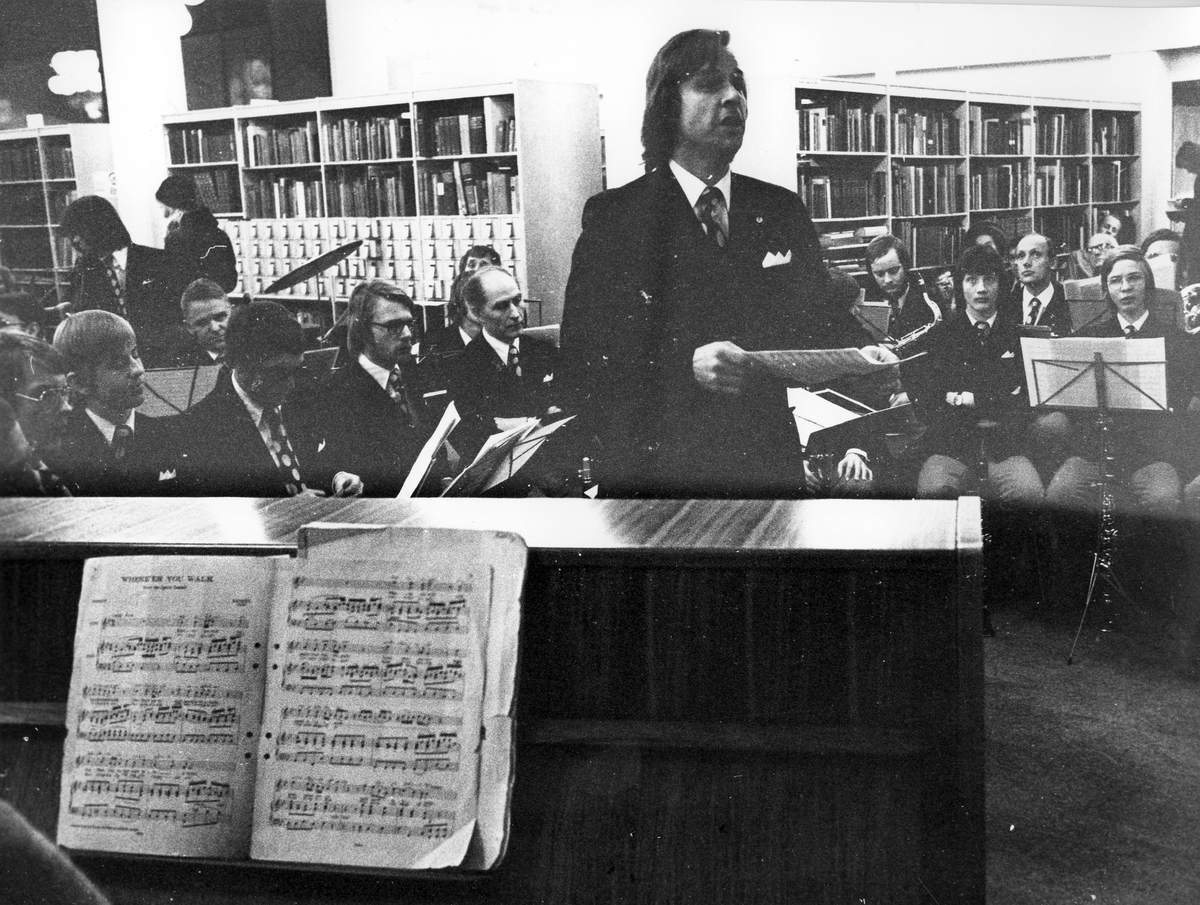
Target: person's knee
[1073, 485]
[941, 478]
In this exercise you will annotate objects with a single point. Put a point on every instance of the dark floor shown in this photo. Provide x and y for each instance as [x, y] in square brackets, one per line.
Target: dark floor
[1093, 769]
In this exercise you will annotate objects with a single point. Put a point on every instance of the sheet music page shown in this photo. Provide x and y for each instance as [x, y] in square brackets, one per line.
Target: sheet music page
[165, 705]
[811, 366]
[375, 701]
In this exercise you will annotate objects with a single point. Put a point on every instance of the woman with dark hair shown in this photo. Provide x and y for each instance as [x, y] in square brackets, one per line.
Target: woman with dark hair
[195, 246]
[113, 273]
[985, 232]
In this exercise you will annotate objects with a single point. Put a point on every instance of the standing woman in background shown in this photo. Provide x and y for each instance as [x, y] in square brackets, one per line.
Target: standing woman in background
[195, 246]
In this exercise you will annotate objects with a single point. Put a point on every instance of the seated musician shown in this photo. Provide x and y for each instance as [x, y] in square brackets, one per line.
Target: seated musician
[460, 328]
[205, 309]
[889, 262]
[971, 393]
[1084, 263]
[369, 410]
[1037, 299]
[20, 313]
[1141, 443]
[248, 437]
[107, 448]
[33, 381]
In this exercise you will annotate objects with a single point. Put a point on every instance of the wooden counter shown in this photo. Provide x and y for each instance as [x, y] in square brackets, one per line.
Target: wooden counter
[719, 702]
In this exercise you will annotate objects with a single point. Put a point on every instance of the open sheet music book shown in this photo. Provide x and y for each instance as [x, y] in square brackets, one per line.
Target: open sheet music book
[350, 707]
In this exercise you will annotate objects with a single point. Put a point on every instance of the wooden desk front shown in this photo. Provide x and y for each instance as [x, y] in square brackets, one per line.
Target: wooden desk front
[718, 702]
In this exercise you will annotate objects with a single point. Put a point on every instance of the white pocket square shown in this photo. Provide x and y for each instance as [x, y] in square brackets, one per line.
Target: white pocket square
[168, 475]
[547, 378]
[321, 446]
[774, 259]
[1008, 354]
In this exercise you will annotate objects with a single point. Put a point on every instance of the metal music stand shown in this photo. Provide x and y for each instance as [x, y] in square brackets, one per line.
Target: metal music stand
[1104, 375]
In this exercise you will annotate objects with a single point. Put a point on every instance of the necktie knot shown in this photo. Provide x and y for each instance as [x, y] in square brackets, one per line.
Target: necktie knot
[395, 389]
[710, 208]
[120, 441]
[1035, 307]
[1130, 331]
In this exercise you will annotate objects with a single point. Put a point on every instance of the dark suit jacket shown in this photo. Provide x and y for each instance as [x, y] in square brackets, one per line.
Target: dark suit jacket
[646, 290]
[85, 462]
[992, 370]
[196, 248]
[483, 389]
[916, 311]
[153, 313]
[440, 352]
[365, 432]
[1057, 315]
[223, 454]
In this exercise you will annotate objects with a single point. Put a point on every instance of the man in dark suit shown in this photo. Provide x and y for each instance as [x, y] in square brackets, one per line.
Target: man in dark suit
[1037, 298]
[106, 448]
[502, 374]
[975, 375]
[201, 341]
[369, 410]
[113, 273]
[675, 276]
[889, 262]
[246, 438]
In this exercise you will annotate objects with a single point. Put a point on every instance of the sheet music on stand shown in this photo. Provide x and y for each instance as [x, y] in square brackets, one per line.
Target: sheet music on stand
[1066, 373]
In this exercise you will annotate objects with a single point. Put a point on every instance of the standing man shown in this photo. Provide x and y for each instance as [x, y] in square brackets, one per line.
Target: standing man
[674, 277]
[1040, 301]
[368, 409]
[107, 448]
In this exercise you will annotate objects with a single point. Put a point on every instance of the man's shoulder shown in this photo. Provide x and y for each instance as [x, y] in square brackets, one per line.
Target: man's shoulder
[747, 186]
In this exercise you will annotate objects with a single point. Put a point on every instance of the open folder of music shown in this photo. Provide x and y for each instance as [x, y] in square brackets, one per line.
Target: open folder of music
[351, 707]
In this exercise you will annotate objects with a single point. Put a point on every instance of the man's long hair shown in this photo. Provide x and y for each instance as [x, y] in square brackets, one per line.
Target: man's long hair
[681, 57]
[97, 222]
[361, 311]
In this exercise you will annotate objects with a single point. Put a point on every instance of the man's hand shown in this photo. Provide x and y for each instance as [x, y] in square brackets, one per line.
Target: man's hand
[879, 354]
[347, 484]
[723, 367]
[854, 467]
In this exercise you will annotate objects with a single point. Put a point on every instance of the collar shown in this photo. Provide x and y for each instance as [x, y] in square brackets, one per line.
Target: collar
[122, 257]
[693, 186]
[903, 297]
[255, 410]
[466, 337]
[501, 348]
[1139, 323]
[1044, 296]
[378, 374]
[973, 320]
[106, 427]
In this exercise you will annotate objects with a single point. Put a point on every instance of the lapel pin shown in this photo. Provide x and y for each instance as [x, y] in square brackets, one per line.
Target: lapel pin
[758, 219]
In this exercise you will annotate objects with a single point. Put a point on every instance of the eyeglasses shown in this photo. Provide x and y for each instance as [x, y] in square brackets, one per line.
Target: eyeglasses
[1103, 246]
[1132, 279]
[48, 396]
[394, 328]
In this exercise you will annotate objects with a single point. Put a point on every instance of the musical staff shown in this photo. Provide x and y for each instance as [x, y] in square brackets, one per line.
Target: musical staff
[407, 677]
[331, 612]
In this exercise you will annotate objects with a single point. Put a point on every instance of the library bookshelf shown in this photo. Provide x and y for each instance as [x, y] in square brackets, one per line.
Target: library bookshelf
[42, 170]
[418, 176]
[925, 164]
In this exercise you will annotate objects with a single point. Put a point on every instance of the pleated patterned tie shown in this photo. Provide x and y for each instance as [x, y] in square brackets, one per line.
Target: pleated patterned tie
[710, 208]
[514, 361]
[120, 441]
[116, 278]
[282, 452]
[1035, 308]
[395, 389]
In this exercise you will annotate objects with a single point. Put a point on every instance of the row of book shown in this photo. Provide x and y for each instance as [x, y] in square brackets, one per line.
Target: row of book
[64, 251]
[59, 199]
[1062, 133]
[1067, 229]
[218, 190]
[467, 190]
[380, 192]
[1000, 185]
[925, 132]
[282, 144]
[844, 195]
[372, 138]
[844, 249]
[1060, 183]
[445, 136]
[22, 204]
[839, 126]
[1113, 134]
[60, 161]
[930, 189]
[283, 196]
[197, 144]
[1008, 134]
[931, 245]
[1112, 180]
[19, 161]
